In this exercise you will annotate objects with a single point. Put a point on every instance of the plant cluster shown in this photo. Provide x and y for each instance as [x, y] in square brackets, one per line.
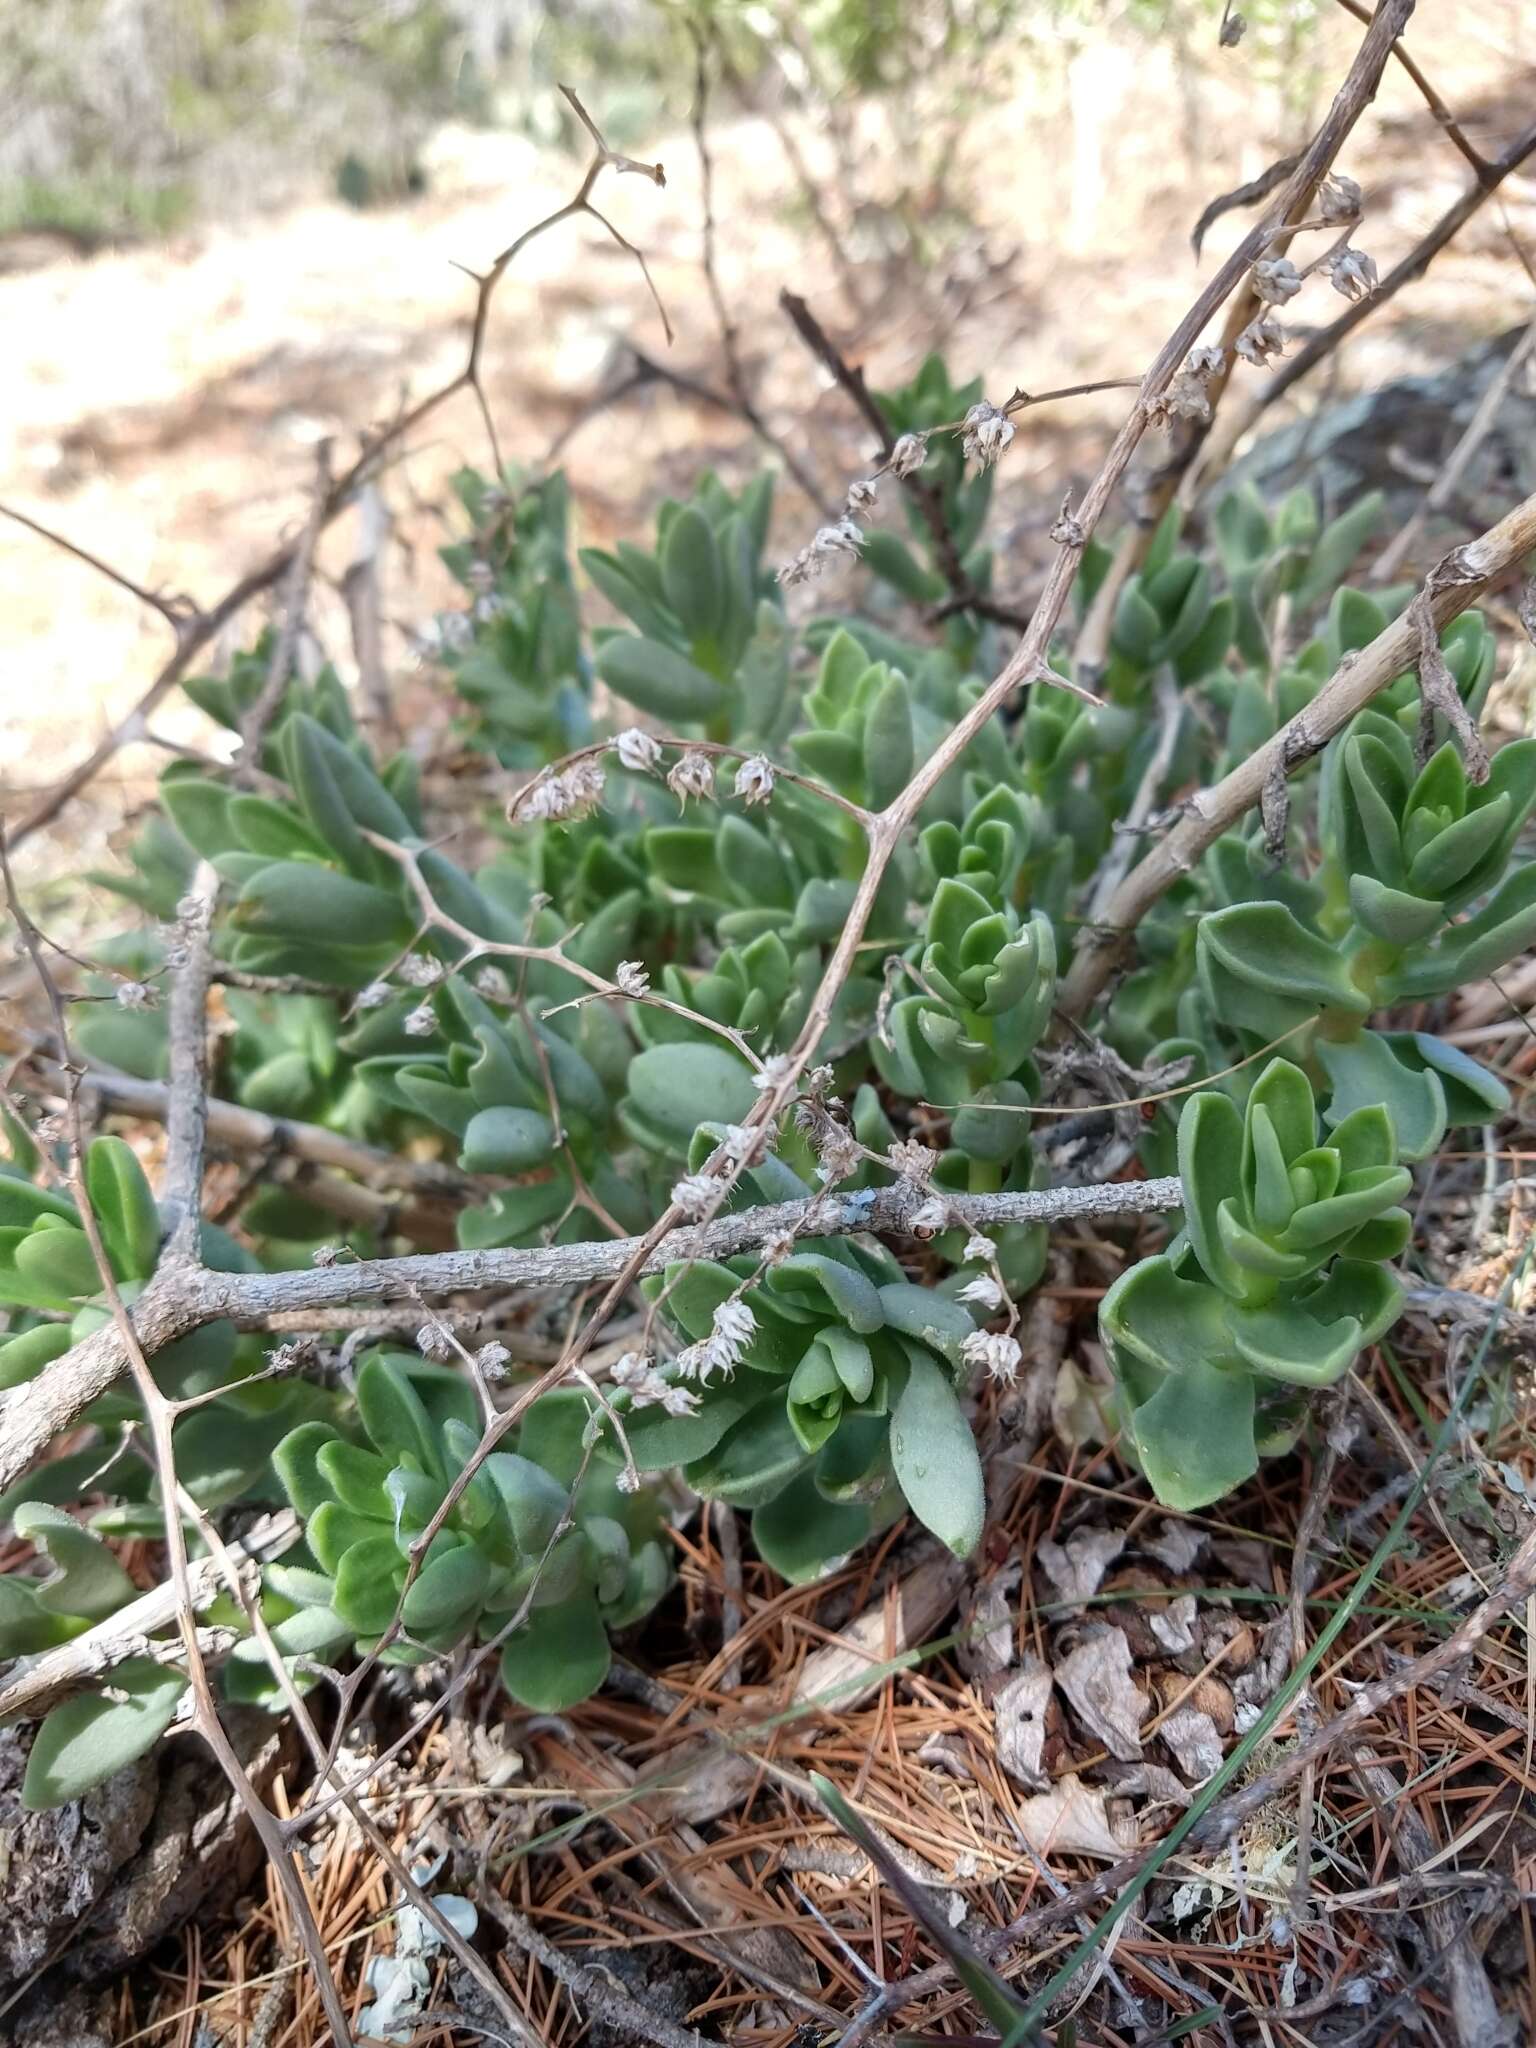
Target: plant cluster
[579, 1001]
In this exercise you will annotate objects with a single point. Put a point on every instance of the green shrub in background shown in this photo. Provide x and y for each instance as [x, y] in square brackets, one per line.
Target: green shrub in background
[696, 850]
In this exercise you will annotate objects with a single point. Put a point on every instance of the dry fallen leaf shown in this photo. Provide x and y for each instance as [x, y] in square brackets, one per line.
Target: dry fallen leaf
[1076, 1568]
[1096, 1678]
[986, 1645]
[1177, 1545]
[1071, 1819]
[1018, 1716]
[1192, 1738]
[1174, 1625]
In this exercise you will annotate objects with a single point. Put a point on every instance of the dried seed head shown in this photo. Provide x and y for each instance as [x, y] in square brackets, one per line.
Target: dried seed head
[839, 1153]
[829, 544]
[754, 780]
[633, 1366]
[1353, 273]
[979, 1247]
[908, 455]
[773, 1070]
[374, 996]
[1000, 1355]
[1066, 530]
[930, 1217]
[692, 774]
[913, 1161]
[136, 995]
[746, 1144]
[1205, 361]
[1233, 29]
[735, 1323]
[420, 970]
[1276, 279]
[421, 1022]
[637, 751]
[491, 983]
[1261, 340]
[433, 1341]
[1339, 198]
[695, 1192]
[984, 1292]
[556, 797]
[1184, 398]
[861, 496]
[986, 434]
[631, 978]
[493, 1360]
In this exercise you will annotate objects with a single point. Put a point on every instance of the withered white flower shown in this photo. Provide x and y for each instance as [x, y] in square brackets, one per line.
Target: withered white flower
[861, 495]
[734, 1323]
[553, 798]
[637, 750]
[420, 1022]
[1353, 273]
[828, 545]
[493, 985]
[745, 1143]
[1185, 398]
[695, 1192]
[1204, 361]
[986, 434]
[1260, 340]
[493, 1359]
[137, 995]
[979, 1247]
[754, 780]
[1339, 198]
[912, 1160]
[433, 1341]
[374, 996]
[1276, 279]
[908, 455]
[984, 1292]
[930, 1216]
[1000, 1355]
[632, 1366]
[631, 978]
[838, 1152]
[771, 1072]
[692, 774]
[420, 970]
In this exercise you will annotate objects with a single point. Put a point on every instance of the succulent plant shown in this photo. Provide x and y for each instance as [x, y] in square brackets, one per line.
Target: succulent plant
[1275, 1282]
[535, 1539]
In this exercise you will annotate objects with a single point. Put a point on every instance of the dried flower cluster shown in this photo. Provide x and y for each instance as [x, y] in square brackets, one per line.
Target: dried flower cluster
[731, 1332]
[558, 795]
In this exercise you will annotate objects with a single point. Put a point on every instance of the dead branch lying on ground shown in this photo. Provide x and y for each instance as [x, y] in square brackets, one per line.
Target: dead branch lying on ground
[176, 1303]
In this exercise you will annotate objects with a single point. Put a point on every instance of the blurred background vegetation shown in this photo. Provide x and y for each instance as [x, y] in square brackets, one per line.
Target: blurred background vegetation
[127, 118]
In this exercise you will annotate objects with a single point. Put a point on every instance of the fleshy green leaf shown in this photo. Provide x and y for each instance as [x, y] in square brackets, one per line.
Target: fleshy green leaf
[1195, 1438]
[558, 1658]
[802, 1535]
[935, 1459]
[86, 1578]
[89, 1738]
